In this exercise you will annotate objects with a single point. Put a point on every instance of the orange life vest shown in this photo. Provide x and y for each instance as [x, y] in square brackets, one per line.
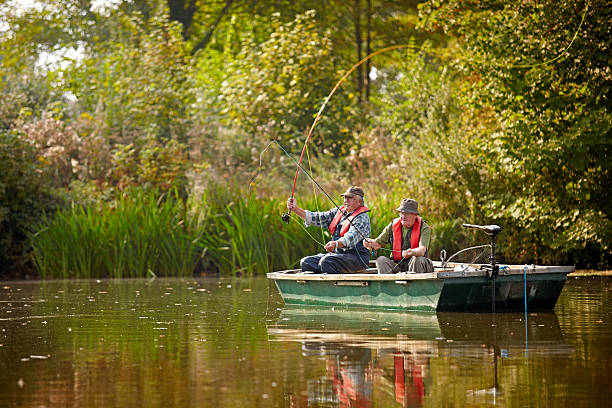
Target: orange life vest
[397, 236]
[347, 223]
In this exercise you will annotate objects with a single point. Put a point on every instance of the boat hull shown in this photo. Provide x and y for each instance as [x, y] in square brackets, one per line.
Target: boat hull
[474, 294]
[456, 288]
[394, 293]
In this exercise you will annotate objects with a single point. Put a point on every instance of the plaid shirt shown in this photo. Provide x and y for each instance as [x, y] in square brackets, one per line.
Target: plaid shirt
[359, 229]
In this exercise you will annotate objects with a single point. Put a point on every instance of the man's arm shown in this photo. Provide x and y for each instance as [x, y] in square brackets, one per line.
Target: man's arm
[383, 239]
[358, 231]
[311, 218]
[423, 243]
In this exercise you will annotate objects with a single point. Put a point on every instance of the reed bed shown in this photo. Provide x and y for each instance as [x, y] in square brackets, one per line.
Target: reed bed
[137, 236]
[222, 231]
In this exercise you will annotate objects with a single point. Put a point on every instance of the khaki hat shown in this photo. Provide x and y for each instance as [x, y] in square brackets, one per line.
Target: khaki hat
[408, 205]
[352, 191]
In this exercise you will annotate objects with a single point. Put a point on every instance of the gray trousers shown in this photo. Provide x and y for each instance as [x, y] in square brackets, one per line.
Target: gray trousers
[416, 264]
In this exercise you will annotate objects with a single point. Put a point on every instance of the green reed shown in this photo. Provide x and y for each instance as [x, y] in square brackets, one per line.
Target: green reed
[224, 230]
[245, 235]
[140, 235]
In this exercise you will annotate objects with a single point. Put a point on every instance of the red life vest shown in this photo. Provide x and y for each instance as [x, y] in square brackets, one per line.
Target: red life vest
[397, 236]
[347, 223]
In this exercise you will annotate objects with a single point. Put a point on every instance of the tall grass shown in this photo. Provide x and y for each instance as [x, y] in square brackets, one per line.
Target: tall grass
[136, 236]
[246, 235]
[221, 231]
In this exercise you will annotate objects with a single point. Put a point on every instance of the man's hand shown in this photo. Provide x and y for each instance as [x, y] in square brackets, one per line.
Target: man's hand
[293, 207]
[331, 246]
[407, 253]
[371, 244]
[291, 203]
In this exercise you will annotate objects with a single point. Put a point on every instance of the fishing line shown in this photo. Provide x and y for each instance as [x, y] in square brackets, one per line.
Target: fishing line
[287, 215]
[274, 141]
[417, 48]
[314, 192]
[562, 52]
[314, 123]
[259, 172]
[363, 236]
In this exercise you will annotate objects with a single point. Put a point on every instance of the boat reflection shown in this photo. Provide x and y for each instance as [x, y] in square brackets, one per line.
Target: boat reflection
[386, 357]
[363, 349]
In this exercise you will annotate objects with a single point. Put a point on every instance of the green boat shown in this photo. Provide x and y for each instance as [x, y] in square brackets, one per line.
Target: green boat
[451, 287]
[416, 292]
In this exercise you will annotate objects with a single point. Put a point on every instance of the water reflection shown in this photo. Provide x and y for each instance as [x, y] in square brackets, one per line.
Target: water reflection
[407, 359]
[232, 343]
[168, 342]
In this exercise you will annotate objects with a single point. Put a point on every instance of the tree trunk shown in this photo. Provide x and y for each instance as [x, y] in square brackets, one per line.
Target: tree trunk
[204, 41]
[182, 11]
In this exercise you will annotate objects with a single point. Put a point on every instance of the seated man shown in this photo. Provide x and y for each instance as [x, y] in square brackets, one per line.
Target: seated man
[348, 225]
[409, 237]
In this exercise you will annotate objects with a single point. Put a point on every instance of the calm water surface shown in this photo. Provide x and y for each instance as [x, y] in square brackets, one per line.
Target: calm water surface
[232, 343]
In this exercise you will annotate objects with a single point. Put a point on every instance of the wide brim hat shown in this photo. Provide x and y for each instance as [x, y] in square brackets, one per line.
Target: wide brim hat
[353, 191]
[408, 205]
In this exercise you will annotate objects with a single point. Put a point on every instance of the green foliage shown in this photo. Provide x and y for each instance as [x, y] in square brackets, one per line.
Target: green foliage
[275, 88]
[23, 199]
[22, 95]
[154, 167]
[137, 236]
[136, 83]
[545, 161]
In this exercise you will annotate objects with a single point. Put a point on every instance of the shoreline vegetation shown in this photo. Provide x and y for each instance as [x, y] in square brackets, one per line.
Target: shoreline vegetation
[150, 139]
[147, 234]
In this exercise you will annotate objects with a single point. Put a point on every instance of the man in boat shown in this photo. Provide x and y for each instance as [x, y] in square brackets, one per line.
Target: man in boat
[409, 237]
[349, 225]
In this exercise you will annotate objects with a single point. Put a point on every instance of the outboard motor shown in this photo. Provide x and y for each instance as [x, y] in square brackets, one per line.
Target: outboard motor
[493, 270]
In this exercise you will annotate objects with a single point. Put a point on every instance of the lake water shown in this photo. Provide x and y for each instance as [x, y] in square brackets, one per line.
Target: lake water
[221, 342]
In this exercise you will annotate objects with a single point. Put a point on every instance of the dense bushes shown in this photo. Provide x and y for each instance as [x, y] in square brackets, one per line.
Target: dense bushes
[24, 197]
[138, 124]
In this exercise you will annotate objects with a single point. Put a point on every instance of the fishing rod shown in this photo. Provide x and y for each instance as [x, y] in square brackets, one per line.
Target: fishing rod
[286, 216]
[316, 120]
[395, 47]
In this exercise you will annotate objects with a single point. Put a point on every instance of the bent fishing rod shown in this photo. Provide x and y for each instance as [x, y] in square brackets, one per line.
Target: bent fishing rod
[286, 217]
[314, 123]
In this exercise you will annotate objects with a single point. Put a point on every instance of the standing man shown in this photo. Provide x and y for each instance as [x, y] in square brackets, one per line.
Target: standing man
[349, 226]
[409, 237]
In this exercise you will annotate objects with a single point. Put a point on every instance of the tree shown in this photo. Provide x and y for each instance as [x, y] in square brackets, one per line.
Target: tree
[545, 159]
